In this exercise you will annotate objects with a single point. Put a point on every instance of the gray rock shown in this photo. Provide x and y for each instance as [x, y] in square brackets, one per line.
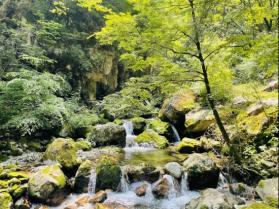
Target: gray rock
[83, 176]
[174, 169]
[273, 85]
[268, 191]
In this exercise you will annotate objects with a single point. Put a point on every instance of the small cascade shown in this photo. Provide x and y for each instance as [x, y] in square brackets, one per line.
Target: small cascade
[124, 182]
[130, 137]
[222, 182]
[175, 133]
[173, 188]
[184, 185]
[92, 182]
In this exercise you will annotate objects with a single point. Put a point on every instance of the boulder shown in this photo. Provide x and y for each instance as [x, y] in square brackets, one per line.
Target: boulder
[152, 138]
[141, 172]
[273, 85]
[99, 197]
[173, 169]
[162, 128]
[141, 190]
[108, 175]
[208, 144]
[83, 176]
[63, 151]
[268, 191]
[139, 125]
[187, 145]
[242, 190]
[213, 199]
[107, 134]
[255, 109]
[83, 145]
[22, 203]
[198, 121]
[202, 171]
[6, 201]
[161, 188]
[48, 185]
[175, 108]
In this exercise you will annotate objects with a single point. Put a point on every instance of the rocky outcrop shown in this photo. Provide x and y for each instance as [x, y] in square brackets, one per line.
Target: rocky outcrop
[83, 176]
[198, 121]
[107, 134]
[152, 138]
[213, 199]
[202, 171]
[175, 108]
[48, 185]
[63, 151]
[268, 191]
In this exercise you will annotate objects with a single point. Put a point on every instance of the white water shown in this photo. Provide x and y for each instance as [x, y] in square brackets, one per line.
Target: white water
[184, 185]
[222, 182]
[124, 182]
[176, 134]
[92, 182]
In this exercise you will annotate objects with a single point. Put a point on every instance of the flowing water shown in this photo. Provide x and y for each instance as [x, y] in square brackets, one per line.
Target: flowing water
[176, 134]
[92, 182]
[222, 182]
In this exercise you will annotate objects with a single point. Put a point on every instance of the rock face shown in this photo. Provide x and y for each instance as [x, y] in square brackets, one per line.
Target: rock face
[161, 188]
[83, 176]
[198, 121]
[152, 138]
[108, 176]
[107, 134]
[187, 145]
[48, 185]
[142, 172]
[6, 200]
[268, 191]
[202, 171]
[177, 106]
[174, 169]
[64, 152]
[213, 199]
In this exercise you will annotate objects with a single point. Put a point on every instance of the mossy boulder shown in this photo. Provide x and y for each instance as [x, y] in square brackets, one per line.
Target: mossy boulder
[107, 134]
[209, 144]
[6, 201]
[177, 106]
[83, 145]
[198, 121]
[139, 124]
[268, 191]
[108, 175]
[202, 171]
[63, 151]
[188, 145]
[162, 128]
[256, 205]
[48, 185]
[83, 176]
[152, 138]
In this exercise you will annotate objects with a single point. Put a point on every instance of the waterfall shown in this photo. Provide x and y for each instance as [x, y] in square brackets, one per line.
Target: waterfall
[222, 182]
[175, 133]
[92, 182]
[172, 193]
[124, 182]
[184, 185]
[130, 137]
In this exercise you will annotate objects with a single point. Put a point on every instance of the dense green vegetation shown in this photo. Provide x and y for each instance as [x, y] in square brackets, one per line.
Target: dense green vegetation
[80, 80]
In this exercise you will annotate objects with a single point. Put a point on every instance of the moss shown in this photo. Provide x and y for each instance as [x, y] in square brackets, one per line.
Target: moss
[5, 200]
[83, 145]
[159, 126]
[19, 174]
[18, 190]
[153, 138]
[258, 205]
[108, 176]
[272, 201]
[188, 145]
[3, 184]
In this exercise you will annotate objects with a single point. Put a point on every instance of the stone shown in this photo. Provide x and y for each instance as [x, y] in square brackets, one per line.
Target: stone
[198, 121]
[174, 169]
[160, 127]
[48, 185]
[152, 138]
[268, 191]
[202, 171]
[107, 134]
[141, 190]
[83, 145]
[242, 190]
[99, 197]
[63, 151]
[273, 85]
[141, 172]
[83, 176]
[255, 109]
[213, 199]
[209, 144]
[188, 145]
[22, 203]
[175, 108]
[139, 124]
[161, 188]
[6, 201]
